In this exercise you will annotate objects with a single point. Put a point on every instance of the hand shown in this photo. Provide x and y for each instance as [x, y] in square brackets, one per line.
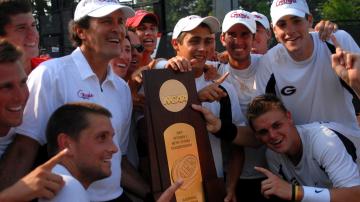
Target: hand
[230, 196]
[40, 183]
[210, 73]
[213, 124]
[170, 192]
[223, 57]
[274, 185]
[325, 29]
[179, 63]
[346, 66]
[212, 92]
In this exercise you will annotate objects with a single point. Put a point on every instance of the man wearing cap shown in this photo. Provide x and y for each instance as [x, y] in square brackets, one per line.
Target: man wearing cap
[238, 35]
[97, 30]
[298, 70]
[192, 39]
[145, 25]
[263, 34]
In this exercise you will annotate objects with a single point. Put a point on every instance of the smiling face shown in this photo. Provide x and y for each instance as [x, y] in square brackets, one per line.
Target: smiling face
[276, 130]
[121, 64]
[13, 95]
[195, 46]
[147, 32]
[93, 149]
[136, 55]
[293, 33]
[22, 32]
[238, 41]
[104, 35]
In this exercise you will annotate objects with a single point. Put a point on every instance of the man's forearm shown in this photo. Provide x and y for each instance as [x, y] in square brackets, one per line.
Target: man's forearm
[17, 160]
[132, 181]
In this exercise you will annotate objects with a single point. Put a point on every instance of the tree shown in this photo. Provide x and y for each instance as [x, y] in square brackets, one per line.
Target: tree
[337, 10]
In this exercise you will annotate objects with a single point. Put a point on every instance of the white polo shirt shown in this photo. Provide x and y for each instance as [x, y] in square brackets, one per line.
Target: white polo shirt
[71, 79]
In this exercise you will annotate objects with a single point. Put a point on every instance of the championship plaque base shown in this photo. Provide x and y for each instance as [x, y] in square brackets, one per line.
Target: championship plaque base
[179, 145]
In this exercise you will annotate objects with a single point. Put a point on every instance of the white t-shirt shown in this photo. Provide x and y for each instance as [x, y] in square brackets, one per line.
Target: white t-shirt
[325, 161]
[310, 89]
[6, 140]
[214, 107]
[71, 79]
[72, 191]
[244, 82]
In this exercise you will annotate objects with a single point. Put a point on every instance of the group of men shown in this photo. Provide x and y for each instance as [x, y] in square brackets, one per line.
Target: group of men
[81, 109]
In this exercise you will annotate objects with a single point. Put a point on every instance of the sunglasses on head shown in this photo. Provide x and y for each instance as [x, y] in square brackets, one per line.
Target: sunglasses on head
[138, 47]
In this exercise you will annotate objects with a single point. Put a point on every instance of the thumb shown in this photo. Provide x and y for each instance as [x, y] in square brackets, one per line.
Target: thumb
[48, 165]
[222, 78]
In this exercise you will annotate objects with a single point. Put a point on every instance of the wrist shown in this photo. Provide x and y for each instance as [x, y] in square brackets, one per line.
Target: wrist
[314, 194]
[227, 131]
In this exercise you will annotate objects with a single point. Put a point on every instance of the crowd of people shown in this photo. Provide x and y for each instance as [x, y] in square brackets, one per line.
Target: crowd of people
[281, 121]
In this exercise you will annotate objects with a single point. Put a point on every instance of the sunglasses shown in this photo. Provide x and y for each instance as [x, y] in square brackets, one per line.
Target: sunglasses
[139, 47]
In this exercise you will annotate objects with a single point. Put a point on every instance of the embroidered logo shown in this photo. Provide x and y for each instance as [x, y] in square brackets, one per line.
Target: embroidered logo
[85, 95]
[318, 191]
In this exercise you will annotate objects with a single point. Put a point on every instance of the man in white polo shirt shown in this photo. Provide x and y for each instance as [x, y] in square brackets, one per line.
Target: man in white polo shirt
[97, 30]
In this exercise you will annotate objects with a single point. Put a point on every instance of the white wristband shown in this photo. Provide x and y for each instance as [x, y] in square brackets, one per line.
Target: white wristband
[315, 194]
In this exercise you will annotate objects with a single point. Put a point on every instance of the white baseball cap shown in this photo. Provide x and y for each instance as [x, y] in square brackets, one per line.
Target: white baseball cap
[189, 23]
[281, 8]
[239, 17]
[262, 19]
[100, 8]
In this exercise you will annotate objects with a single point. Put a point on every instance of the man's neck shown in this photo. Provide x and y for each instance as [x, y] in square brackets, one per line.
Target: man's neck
[146, 58]
[97, 62]
[296, 152]
[72, 168]
[240, 64]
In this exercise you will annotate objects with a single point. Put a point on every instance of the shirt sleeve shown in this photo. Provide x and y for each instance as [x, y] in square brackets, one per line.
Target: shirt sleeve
[331, 154]
[263, 75]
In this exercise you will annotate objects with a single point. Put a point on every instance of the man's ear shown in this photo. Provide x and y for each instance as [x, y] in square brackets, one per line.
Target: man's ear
[310, 20]
[222, 39]
[80, 32]
[64, 141]
[175, 44]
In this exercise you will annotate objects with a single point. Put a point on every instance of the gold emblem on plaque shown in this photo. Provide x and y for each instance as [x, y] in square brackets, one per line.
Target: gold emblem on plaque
[185, 168]
[173, 95]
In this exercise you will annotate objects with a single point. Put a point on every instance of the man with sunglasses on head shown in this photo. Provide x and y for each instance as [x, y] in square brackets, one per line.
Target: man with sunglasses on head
[145, 25]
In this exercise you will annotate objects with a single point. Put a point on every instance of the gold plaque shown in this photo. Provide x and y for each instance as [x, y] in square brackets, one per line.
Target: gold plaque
[173, 95]
[183, 162]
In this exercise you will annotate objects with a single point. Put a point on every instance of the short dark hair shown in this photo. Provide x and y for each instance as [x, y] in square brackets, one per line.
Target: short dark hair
[81, 23]
[9, 8]
[9, 52]
[181, 36]
[70, 119]
[262, 104]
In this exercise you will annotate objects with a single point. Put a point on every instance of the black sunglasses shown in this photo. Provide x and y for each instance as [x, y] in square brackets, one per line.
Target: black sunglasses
[138, 47]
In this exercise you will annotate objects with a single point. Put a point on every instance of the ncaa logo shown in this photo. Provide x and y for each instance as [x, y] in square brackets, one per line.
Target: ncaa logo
[288, 90]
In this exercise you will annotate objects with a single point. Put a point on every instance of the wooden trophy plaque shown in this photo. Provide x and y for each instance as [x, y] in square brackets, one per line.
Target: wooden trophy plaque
[179, 145]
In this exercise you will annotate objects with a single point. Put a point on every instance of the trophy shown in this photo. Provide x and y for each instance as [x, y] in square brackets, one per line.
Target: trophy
[178, 142]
